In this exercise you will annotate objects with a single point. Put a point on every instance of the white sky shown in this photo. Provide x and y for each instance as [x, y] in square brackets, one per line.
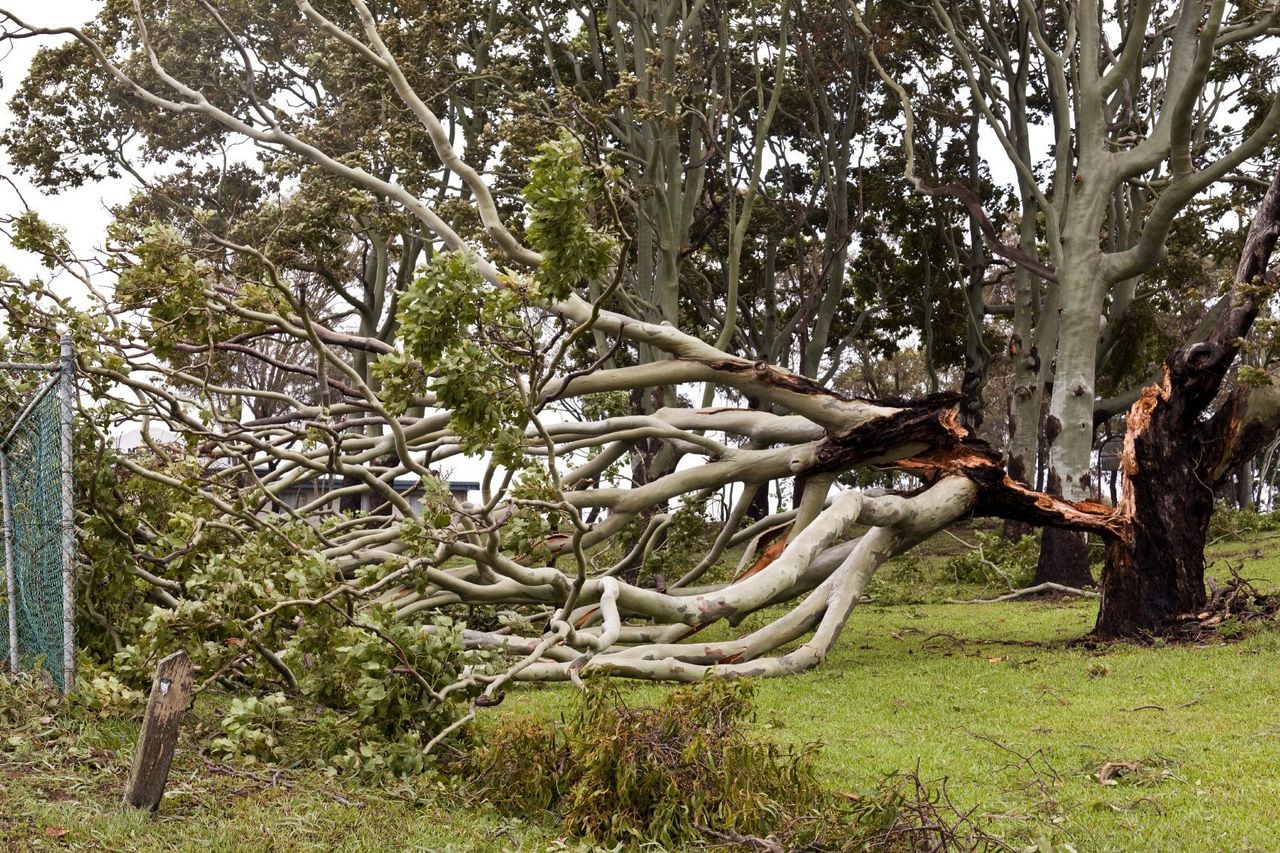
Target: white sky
[83, 211]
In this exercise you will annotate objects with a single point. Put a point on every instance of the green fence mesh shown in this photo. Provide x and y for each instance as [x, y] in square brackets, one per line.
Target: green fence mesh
[31, 464]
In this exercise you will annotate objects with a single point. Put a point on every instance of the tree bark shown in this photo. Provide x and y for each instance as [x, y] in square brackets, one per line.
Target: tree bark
[1064, 558]
[1069, 425]
[1173, 459]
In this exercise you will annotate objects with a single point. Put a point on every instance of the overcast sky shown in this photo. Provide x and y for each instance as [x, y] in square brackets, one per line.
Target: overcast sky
[83, 211]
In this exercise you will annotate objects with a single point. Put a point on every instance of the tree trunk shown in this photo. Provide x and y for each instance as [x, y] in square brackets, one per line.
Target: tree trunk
[1157, 572]
[1244, 487]
[1068, 427]
[1064, 558]
[1029, 373]
[1174, 459]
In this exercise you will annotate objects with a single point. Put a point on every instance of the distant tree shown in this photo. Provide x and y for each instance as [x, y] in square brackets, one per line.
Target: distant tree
[1142, 129]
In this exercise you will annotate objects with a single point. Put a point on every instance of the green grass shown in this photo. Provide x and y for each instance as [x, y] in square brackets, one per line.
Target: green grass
[996, 698]
[62, 775]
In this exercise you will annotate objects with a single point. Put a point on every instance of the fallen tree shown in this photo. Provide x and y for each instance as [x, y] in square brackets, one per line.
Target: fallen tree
[515, 361]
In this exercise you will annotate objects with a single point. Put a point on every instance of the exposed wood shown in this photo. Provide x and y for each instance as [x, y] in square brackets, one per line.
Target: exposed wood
[1172, 457]
[777, 542]
[170, 696]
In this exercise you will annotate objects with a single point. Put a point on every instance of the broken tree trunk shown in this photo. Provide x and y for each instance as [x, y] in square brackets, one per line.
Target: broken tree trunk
[1173, 458]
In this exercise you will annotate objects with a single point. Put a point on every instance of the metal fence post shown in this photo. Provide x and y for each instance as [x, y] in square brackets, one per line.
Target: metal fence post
[10, 570]
[67, 391]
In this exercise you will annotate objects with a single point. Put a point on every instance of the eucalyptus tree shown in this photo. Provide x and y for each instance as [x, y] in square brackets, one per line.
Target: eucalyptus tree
[1150, 106]
[736, 95]
[508, 340]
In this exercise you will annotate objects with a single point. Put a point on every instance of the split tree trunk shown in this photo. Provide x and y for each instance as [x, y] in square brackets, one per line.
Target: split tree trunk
[1174, 459]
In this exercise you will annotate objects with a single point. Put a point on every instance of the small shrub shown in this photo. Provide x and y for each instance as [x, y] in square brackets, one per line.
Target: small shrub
[691, 772]
[1232, 523]
[903, 580]
[1231, 629]
[614, 773]
[375, 689]
[253, 727]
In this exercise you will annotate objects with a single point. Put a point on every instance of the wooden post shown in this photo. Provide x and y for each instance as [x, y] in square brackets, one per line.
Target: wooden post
[170, 695]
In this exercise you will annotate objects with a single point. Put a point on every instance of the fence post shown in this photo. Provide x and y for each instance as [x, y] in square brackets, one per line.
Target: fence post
[10, 569]
[67, 390]
[170, 695]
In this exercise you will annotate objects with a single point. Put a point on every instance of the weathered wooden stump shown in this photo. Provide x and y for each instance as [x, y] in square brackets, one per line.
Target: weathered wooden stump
[170, 696]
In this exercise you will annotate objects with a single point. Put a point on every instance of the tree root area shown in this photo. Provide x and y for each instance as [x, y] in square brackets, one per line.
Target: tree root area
[1231, 606]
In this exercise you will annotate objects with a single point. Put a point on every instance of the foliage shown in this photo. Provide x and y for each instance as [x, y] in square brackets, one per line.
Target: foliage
[389, 674]
[560, 194]
[902, 581]
[688, 538]
[614, 773]
[992, 559]
[691, 770]
[459, 330]
[367, 689]
[1230, 522]
[374, 696]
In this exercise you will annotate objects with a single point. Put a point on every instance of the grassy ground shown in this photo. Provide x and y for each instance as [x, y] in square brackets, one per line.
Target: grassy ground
[62, 775]
[996, 698]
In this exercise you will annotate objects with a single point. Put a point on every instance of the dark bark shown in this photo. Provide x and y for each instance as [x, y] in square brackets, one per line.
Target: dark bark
[649, 462]
[759, 507]
[1015, 529]
[1064, 559]
[1244, 487]
[797, 491]
[1174, 459]
[1064, 554]
[1157, 572]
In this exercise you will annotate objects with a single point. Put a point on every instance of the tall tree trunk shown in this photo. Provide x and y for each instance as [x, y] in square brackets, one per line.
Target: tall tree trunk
[1173, 459]
[1064, 558]
[1026, 401]
[1244, 487]
[1069, 425]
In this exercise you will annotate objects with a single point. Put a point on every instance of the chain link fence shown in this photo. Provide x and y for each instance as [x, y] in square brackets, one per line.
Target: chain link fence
[38, 612]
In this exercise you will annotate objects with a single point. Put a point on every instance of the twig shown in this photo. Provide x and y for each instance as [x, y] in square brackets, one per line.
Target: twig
[752, 841]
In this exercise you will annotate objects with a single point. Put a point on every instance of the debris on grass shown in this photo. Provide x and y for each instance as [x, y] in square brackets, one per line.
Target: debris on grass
[1231, 606]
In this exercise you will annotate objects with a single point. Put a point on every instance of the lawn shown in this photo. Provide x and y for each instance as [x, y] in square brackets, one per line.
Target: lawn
[996, 698]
